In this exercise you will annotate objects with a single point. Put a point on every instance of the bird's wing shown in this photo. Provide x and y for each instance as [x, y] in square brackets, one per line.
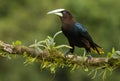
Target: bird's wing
[82, 31]
[86, 39]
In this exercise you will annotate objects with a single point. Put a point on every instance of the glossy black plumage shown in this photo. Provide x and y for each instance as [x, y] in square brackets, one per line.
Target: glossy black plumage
[76, 34]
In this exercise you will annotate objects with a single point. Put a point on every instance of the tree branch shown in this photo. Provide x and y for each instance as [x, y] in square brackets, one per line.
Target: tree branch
[74, 59]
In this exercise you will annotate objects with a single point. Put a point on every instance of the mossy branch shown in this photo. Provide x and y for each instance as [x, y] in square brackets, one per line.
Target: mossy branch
[74, 59]
[49, 55]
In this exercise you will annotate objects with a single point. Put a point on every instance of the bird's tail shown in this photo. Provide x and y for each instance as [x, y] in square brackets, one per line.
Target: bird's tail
[96, 49]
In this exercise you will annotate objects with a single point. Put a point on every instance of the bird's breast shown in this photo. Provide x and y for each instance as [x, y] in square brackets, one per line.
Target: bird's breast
[70, 33]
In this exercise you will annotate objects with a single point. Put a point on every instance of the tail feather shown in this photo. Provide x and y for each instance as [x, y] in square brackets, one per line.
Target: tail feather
[96, 49]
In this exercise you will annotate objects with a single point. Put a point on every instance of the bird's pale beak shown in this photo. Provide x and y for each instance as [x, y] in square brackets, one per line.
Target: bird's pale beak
[57, 12]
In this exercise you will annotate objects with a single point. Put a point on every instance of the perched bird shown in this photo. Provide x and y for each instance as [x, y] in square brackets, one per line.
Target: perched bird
[76, 34]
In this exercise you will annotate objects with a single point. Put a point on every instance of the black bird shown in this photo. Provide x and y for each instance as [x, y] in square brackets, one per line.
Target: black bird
[76, 34]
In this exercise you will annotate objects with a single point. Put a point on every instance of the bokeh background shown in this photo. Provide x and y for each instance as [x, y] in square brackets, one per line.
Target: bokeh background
[26, 20]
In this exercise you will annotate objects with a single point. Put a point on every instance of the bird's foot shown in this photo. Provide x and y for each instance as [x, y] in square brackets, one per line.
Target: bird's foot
[89, 57]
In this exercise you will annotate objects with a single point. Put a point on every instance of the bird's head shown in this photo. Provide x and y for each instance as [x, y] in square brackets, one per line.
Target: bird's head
[63, 14]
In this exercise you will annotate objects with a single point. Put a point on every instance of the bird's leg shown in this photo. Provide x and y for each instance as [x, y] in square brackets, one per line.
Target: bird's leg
[89, 57]
[71, 49]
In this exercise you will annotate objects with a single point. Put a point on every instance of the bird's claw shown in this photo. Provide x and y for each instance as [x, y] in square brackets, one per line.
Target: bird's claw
[89, 57]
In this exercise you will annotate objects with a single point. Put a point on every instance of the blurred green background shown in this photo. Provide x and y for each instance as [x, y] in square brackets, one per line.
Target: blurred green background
[26, 20]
